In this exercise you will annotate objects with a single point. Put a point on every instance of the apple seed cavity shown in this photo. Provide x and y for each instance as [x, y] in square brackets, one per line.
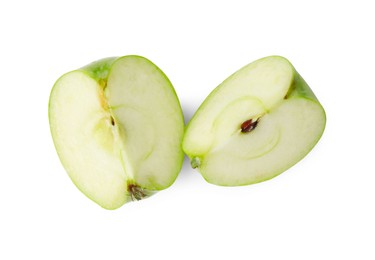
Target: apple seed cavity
[249, 125]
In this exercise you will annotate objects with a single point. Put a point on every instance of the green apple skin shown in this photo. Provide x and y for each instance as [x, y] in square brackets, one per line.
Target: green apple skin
[292, 110]
[117, 126]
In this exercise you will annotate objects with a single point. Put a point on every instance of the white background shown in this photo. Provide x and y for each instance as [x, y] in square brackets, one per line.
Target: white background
[322, 208]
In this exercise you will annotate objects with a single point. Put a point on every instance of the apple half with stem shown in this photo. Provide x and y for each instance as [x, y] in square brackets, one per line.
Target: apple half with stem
[117, 126]
[259, 122]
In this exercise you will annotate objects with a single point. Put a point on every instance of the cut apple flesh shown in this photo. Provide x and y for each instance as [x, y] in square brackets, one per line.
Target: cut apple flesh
[117, 126]
[255, 125]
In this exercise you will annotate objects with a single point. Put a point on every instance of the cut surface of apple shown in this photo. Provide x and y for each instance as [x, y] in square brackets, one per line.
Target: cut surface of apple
[258, 123]
[117, 126]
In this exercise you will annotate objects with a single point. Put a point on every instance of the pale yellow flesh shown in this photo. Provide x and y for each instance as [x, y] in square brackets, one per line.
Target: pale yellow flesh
[281, 138]
[129, 133]
[151, 118]
[85, 140]
[287, 129]
[251, 83]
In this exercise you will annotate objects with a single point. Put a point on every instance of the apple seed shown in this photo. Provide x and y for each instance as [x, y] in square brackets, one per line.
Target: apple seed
[249, 125]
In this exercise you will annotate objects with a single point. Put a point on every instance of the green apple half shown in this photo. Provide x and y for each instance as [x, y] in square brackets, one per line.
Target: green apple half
[259, 122]
[117, 126]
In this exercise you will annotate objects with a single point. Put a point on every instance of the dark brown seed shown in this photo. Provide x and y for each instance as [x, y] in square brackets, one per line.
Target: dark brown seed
[248, 125]
[112, 121]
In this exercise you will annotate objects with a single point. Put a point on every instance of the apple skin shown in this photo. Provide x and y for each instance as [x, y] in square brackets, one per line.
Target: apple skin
[133, 189]
[99, 69]
[298, 90]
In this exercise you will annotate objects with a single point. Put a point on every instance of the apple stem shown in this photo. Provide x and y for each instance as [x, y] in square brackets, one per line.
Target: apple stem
[195, 162]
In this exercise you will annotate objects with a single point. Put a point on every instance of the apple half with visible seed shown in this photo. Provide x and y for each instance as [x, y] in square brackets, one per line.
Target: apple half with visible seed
[259, 122]
[117, 126]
